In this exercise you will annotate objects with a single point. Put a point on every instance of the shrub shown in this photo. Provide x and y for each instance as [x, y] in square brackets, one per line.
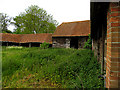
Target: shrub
[88, 44]
[44, 45]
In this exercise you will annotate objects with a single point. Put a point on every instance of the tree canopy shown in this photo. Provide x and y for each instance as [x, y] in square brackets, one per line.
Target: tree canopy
[5, 21]
[34, 20]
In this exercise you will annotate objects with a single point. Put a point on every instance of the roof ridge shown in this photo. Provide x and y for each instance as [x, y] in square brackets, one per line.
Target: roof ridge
[76, 21]
[35, 33]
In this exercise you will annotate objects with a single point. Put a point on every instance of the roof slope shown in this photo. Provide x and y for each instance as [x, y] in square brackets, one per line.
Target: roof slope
[78, 28]
[25, 38]
[10, 37]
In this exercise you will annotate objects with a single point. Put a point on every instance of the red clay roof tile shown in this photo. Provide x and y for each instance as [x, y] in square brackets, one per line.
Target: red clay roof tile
[25, 38]
[77, 28]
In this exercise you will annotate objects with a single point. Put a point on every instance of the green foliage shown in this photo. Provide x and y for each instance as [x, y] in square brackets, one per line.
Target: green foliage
[5, 20]
[7, 31]
[88, 44]
[65, 68]
[34, 20]
[44, 45]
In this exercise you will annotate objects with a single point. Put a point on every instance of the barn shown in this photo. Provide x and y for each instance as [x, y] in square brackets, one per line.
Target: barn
[105, 34]
[71, 34]
[27, 40]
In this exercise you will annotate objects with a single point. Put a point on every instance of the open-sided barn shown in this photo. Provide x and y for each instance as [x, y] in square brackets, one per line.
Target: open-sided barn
[28, 40]
[71, 34]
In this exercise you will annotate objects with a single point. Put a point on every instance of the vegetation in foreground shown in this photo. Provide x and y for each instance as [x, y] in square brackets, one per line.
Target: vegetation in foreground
[49, 68]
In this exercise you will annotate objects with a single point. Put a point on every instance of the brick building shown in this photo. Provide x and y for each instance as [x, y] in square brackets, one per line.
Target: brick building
[27, 40]
[71, 34]
[105, 34]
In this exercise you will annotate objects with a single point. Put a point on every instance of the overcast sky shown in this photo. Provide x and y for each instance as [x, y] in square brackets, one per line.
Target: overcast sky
[62, 10]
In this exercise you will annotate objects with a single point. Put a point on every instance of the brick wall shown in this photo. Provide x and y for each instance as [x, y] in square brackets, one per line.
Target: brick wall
[113, 46]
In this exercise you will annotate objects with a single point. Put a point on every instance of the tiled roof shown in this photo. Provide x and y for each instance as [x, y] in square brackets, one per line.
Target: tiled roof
[25, 38]
[78, 28]
[9, 37]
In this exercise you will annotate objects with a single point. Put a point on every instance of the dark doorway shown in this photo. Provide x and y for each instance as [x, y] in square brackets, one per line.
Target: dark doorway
[74, 42]
[35, 44]
[24, 44]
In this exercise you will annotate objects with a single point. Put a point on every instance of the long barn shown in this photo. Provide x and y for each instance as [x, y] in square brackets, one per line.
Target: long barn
[27, 40]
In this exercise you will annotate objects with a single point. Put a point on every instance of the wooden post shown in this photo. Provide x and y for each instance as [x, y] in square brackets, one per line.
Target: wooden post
[67, 42]
[29, 44]
[7, 43]
[19, 44]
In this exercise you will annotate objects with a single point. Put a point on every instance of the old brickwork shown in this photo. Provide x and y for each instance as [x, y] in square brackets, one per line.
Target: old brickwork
[113, 46]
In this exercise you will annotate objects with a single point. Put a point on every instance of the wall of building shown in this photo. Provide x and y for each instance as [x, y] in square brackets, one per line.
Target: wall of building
[113, 46]
[60, 42]
[81, 41]
[65, 42]
[99, 47]
[95, 48]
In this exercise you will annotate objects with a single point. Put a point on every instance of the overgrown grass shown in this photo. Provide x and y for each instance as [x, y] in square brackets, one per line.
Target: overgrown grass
[35, 67]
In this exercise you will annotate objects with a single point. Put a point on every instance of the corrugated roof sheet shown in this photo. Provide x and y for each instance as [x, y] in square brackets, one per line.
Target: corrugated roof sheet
[25, 38]
[78, 28]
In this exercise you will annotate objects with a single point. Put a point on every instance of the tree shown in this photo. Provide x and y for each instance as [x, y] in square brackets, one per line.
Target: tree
[34, 20]
[5, 20]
